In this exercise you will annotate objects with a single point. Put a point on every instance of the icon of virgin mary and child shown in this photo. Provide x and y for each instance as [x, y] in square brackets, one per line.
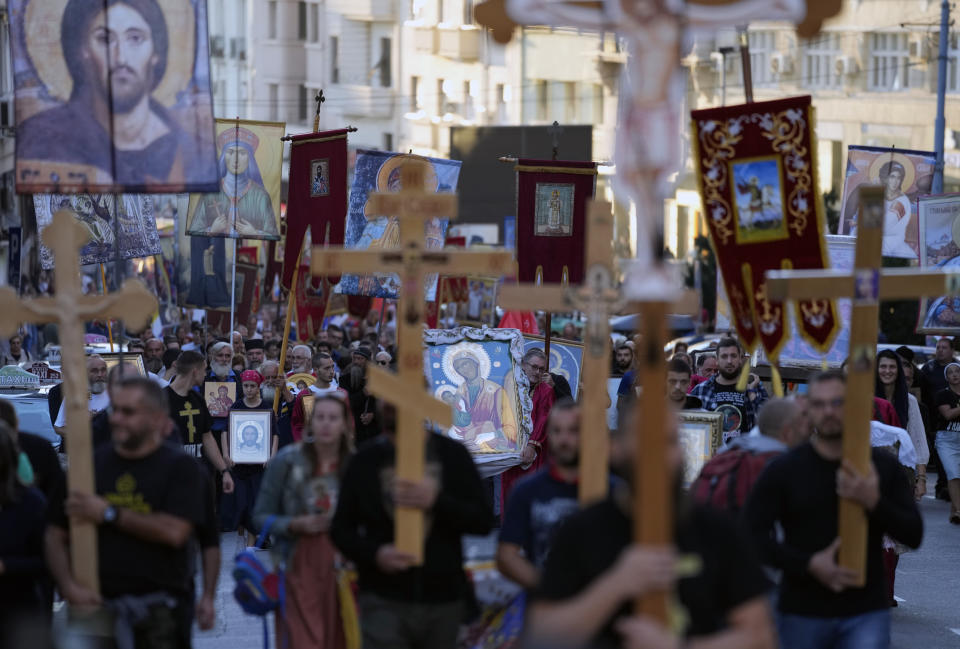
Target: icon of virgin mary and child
[482, 418]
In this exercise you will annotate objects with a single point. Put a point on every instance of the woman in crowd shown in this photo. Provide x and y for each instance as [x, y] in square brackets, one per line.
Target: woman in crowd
[23, 622]
[891, 385]
[300, 490]
[948, 436]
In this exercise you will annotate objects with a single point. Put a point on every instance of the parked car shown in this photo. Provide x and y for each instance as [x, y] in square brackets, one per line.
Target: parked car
[31, 407]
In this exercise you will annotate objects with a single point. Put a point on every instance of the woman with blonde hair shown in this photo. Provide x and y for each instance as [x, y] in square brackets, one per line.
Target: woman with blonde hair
[298, 497]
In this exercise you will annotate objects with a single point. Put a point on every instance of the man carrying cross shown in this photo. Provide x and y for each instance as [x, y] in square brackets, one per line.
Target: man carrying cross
[593, 574]
[820, 602]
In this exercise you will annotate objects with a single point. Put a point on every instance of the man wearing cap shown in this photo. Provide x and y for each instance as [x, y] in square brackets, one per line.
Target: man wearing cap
[255, 350]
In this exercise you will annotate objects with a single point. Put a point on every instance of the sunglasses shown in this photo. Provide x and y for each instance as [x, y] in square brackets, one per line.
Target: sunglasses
[384, 363]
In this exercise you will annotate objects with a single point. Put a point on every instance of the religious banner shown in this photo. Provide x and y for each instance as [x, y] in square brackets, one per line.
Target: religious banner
[478, 372]
[247, 203]
[552, 198]
[904, 176]
[758, 183]
[377, 171]
[15, 241]
[246, 296]
[565, 358]
[105, 217]
[317, 198]
[940, 236]
[312, 296]
[85, 124]
[204, 267]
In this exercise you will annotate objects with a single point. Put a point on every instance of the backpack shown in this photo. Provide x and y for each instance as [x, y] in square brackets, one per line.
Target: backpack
[726, 480]
[258, 589]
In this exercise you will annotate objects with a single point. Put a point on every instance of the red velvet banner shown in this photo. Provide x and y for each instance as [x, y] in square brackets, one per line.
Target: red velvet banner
[552, 200]
[318, 194]
[757, 168]
[312, 296]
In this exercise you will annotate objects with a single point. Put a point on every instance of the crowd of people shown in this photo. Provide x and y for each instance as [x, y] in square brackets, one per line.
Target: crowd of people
[756, 539]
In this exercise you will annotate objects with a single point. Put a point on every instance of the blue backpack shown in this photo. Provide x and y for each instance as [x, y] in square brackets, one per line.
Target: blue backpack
[258, 589]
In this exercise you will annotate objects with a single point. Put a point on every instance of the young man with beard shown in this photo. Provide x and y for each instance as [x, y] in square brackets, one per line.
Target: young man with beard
[719, 393]
[147, 507]
[622, 360]
[190, 416]
[594, 573]
[324, 368]
[819, 606]
[678, 380]
[540, 503]
[99, 400]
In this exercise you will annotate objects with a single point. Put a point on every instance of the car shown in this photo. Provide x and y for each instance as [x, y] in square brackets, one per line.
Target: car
[33, 414]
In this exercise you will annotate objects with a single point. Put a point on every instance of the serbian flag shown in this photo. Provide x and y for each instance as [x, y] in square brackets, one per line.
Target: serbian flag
[317, 198]
[525, 321]
[758, 182]
[552, 200]
[311, 303]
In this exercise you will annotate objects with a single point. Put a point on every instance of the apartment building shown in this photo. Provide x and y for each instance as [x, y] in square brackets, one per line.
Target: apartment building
[872, 73]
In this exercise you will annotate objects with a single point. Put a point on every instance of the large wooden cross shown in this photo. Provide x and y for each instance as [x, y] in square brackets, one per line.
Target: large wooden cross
[69, 308]
[868, 285]
[414, 208]
[598, 297]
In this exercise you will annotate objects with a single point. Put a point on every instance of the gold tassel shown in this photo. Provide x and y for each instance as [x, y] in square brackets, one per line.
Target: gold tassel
[776, 380]
[744, 378]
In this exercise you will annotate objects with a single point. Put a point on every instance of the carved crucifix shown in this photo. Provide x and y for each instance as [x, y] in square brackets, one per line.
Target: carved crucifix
[69, 308]
[598, 297]
[868, 285]
[414, 208]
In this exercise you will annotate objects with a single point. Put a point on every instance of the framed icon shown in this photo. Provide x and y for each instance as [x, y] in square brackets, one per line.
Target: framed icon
[220, 397]
[250, 436]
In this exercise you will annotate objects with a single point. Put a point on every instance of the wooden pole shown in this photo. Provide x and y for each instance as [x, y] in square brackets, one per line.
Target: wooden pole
[858, 406]
[103, 288]
[291, 305]
[652, 522]
[747, 66]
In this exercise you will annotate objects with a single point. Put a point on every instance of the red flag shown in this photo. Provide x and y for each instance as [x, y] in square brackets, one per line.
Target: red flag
[318, 194]
[552, 200]
[525, 321]
[311, 305]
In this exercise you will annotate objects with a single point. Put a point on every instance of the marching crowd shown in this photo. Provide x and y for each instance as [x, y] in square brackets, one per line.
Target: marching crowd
[756, 539]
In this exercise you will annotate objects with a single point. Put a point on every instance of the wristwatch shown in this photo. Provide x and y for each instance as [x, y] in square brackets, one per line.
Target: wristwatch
[110, 515]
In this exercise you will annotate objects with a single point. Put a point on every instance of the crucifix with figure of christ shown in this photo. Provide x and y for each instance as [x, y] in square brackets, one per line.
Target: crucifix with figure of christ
[414, 208]
[868, 285]
[69, 308]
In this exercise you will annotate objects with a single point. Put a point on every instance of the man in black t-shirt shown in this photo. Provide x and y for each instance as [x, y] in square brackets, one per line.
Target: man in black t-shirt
[819, 603]
[540, 503]
[593, 574]
[146, 506]
[190, 416]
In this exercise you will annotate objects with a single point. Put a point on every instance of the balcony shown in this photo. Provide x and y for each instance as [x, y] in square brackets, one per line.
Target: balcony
[424, 39]
[459, 42]
[379, 10]
[365, 101]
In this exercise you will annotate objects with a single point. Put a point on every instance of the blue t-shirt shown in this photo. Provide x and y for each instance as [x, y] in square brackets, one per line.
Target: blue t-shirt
[626, 382]
[536, 508]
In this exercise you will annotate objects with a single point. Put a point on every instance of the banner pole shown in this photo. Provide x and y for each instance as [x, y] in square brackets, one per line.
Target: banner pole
[233, 288]
[103, 286]
[291, 305]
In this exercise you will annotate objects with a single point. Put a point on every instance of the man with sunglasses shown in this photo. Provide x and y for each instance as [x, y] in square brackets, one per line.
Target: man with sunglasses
[384, 359]
[819, 603]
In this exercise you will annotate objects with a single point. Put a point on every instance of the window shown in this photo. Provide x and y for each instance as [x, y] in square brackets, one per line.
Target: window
[819, 60]
[762, 47]
[501, 102]
[467, 12]
[889, 62]
[314, 23]
[953, 56]
[304, 110]
[543, 97]
[386, 79]
[570, 102]
[388, 141]
[440, 11]
[302, 20]
[441, 98]
[469, 111]
[274, 102]
[598, 103]
[590, 97]
[272, 19]
[415, 103]
[334, 59]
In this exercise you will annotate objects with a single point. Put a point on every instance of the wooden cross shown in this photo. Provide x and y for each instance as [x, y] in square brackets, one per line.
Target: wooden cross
[598, 297]
[868, 285]
[69, 309]
[414, 208]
